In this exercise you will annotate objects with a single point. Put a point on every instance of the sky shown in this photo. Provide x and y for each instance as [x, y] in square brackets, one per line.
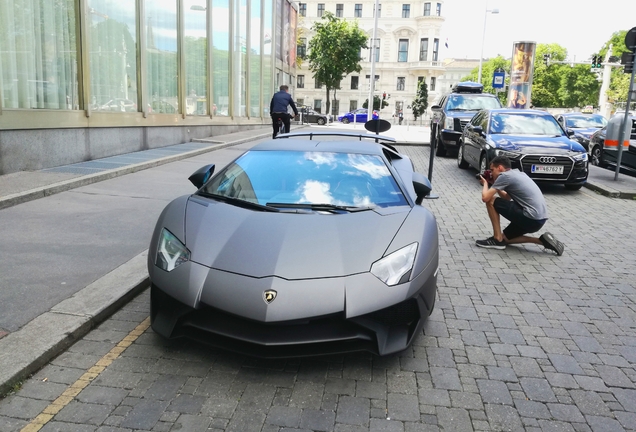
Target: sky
[580, 27]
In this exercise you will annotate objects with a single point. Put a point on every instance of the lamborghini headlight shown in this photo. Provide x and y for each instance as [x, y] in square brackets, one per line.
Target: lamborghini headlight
[393, 267]
[171, 253]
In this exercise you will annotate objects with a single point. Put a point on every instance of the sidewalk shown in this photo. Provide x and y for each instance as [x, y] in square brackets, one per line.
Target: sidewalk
[24, 350]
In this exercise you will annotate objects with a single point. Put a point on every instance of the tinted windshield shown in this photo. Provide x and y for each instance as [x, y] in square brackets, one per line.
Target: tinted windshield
[585, 121]
[524, 124]
[297, 177]
[471, 102]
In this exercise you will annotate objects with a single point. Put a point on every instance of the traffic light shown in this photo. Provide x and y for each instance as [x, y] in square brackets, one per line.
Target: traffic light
[599, 62]
[546, 59]
[627, 59]
[594, 62]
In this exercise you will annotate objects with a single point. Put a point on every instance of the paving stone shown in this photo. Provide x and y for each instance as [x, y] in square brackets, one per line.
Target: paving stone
[445, 378]
[604, 424]
[503, 418]
[403, 407]
[567, 413]
[246, 421]
[145, 414]
[589, 403]
[494, 392]
[466, 400]
[317, 420]
[353, 411]
[531, 409]
[456, 419]
[437, 397]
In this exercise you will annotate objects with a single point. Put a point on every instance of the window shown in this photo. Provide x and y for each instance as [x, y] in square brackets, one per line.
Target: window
[438, 9]
[432, 86]
[435, 49]
[423, 49]
[317, 84]
[196, 69]
[379, 10]
[406, 11]
[427, 9]
[161, 26]
[318, 105]
[357, 11]
[335, 107]
[376, 51]
[300, 81]
[321, 9]
[354, 82]
[300, 102]
[403, 50]
[302, 9]
[339, 8]
[301, 48]
[353, 105]
[401, 83]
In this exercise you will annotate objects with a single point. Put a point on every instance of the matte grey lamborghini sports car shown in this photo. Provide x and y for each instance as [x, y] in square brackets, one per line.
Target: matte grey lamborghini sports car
[299, 247]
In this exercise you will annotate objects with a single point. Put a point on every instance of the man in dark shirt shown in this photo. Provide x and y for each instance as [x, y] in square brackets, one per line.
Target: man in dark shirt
[521, 202]
[278, 109]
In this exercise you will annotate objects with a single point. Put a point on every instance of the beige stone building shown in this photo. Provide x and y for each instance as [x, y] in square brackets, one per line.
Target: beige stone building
[408, 41]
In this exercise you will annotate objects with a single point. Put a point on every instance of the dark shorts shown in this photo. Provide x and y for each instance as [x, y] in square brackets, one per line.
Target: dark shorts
[520, 224]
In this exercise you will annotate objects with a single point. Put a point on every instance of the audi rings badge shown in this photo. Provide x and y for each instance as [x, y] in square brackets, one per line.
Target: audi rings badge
[547, 159]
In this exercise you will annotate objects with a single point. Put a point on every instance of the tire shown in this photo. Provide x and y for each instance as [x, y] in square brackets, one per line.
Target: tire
[596, 155]
[573, 187]
[321, 121]
[483, 163]
[345, 120]
[440, 149]
[461, 162]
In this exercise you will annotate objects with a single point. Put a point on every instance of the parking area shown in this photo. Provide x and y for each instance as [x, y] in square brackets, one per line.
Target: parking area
[520, 340]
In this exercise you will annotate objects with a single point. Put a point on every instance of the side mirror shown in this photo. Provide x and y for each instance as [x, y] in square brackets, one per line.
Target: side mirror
[201, 176]
[436, 108]
[422, 187]
[570, 133]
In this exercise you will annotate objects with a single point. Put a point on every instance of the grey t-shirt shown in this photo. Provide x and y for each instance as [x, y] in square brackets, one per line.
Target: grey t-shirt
[524, 191]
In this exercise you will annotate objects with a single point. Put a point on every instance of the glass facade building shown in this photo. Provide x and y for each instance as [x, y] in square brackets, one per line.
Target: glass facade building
[173, 70]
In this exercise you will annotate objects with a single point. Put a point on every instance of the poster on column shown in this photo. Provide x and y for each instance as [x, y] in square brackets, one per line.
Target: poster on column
[522, 67]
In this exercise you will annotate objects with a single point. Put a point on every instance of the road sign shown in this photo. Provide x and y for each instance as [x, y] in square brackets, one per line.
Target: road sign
[498, 79]
[630, 39]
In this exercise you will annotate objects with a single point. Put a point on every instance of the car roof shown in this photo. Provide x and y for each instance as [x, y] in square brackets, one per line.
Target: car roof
[580, 114]
[518, 111]
[333, 146]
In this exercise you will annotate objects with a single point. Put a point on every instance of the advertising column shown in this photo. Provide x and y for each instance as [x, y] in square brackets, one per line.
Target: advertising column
[521, 74]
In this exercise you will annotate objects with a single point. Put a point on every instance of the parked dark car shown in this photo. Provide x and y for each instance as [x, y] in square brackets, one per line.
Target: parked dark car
[299, 248]
[358, 116]
[453, 112]
[533, 140]
[311, 116]
[605, 155]
[583, 125]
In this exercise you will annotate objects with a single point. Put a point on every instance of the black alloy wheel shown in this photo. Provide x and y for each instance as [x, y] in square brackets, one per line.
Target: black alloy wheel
[483, 163]
[321, 121]
[461, 162]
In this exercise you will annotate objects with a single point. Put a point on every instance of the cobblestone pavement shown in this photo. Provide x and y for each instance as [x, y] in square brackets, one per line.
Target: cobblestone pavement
[520, 340]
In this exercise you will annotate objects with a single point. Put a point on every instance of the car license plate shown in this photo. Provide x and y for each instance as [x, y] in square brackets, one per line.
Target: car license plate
[547, 169]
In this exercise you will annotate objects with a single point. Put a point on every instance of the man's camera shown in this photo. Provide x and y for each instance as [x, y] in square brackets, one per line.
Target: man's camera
[487, 175]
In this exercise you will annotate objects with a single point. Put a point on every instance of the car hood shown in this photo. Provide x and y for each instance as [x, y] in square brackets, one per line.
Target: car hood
[462, 114]
[585, 132]
[287, 245]
[535, 144]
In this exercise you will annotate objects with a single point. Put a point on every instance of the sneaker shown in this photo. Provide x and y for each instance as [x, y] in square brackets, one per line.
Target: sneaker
[491, 243]
[550, 242]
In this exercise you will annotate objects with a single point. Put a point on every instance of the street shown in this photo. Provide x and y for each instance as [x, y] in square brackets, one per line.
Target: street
[520, 339]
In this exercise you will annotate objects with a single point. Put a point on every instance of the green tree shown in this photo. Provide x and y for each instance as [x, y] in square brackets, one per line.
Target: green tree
[334, 51]
[488, 69]
[546, 81]
[376, 103]
[619, 84]
[420, 103]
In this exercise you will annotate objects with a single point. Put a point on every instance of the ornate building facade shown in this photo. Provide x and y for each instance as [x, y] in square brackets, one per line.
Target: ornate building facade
[407, 50]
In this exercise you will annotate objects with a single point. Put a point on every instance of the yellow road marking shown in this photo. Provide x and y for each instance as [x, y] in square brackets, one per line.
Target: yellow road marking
[82, 382]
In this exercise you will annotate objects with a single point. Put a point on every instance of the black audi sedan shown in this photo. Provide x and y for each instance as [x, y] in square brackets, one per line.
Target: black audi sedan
[533, 141]
[583, 125]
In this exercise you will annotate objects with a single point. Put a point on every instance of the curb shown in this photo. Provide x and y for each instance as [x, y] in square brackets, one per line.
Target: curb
[610, 192]
[44, 191]
[25, 351]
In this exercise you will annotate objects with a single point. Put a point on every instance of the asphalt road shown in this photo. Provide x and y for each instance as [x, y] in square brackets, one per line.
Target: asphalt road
[520, 339]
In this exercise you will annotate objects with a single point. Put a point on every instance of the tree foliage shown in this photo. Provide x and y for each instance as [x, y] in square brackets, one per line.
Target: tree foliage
[619, 84]
[487, 70]
[376, 103]
[420, 103]
[334, 51]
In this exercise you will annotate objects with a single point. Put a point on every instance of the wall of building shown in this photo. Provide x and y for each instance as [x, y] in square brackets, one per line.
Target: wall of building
[86, 79]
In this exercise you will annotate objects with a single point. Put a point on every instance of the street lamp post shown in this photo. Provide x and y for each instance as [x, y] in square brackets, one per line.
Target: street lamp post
[483, 38]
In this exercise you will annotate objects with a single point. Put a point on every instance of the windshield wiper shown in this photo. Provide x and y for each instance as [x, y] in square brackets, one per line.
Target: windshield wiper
[321, 207]
[238, 202]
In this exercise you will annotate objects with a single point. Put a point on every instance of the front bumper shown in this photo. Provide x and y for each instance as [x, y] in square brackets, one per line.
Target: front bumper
[574, 172]
[324, 328]
[450, 138]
